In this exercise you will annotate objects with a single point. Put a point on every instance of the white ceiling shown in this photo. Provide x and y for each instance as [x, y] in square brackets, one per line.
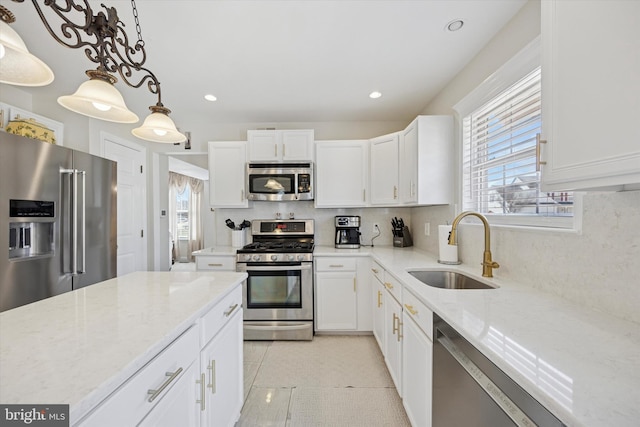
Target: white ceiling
[285, 61]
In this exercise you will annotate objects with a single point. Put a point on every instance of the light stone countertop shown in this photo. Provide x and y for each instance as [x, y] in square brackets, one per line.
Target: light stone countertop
[582, 365]
[78, 347]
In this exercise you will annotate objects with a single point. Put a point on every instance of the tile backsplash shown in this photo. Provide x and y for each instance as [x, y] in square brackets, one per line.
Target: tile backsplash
[324, 220]
[598, 267]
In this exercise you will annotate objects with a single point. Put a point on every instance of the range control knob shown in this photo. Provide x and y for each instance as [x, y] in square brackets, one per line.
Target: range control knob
[247, 257]
[300, 257]
[256, 257]
[290, 257]
[274, 257]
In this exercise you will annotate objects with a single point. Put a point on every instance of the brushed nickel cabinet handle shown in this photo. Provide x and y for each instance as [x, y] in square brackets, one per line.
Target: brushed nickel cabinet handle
[354, 284]
[336, 265]
[212, 372]
[214, 264]
[155, 393]
[201, 401]
[230, 310]
[379, 299]
[388, 285]
[374, 270]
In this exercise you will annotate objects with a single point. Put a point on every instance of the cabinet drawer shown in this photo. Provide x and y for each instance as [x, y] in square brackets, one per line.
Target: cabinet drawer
[418, 312]
[393, 286]
[216, 318]
[377, 271]
[335, 264]
[130, 403]
[215, 263]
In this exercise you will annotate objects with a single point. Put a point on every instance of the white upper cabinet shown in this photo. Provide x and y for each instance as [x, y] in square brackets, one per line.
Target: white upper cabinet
[426, 161]
[227, 173]
[384, 170]
[280, 145]
[342, 169]
[590, 94]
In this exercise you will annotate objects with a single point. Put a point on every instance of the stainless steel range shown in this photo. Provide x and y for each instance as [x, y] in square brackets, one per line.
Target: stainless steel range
[278, 295]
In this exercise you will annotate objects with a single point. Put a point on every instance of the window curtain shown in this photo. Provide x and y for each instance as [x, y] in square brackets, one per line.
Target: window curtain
[177, 185]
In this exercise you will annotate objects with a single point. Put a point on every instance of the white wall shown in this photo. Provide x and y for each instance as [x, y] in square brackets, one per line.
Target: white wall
[598, 267]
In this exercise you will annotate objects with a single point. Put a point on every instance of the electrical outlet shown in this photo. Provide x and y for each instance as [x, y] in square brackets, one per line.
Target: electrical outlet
[376, 228]
[427, 229]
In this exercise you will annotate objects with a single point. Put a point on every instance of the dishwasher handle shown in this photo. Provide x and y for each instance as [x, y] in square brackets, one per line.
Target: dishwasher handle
[489, 387]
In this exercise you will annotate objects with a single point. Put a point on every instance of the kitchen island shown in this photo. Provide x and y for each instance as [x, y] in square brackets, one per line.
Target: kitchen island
[582, 365]
[79, 347]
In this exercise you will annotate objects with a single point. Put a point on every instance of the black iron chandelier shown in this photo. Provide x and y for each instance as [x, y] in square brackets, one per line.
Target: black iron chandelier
[105, 43]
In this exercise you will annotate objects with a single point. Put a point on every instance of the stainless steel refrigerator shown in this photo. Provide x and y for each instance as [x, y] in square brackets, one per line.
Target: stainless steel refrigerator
[57, 220]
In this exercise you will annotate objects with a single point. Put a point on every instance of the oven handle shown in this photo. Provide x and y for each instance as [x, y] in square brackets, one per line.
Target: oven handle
[275, 328]
[280, 267]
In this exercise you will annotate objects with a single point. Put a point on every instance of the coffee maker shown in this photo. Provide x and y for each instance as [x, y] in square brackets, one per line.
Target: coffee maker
[347, 232]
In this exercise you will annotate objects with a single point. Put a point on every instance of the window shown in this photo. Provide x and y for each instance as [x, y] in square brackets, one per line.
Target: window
[499, 172]
[182, 214]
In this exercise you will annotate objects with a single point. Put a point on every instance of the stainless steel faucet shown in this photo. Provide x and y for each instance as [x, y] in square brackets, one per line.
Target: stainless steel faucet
[487, 264]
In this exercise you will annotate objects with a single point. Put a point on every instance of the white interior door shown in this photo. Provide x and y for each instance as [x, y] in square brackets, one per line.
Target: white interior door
[132, 205]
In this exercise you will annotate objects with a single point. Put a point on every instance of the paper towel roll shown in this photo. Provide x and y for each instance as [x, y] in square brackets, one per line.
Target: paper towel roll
[448, 253]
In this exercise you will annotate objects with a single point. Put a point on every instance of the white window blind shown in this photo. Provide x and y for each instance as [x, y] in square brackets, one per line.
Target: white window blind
[499, 156]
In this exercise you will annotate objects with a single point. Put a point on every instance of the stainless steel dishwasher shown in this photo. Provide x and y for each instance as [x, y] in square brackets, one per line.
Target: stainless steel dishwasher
[469, 390]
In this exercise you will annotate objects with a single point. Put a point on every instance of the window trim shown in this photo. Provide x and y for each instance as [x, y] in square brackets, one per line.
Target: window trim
[521, 64]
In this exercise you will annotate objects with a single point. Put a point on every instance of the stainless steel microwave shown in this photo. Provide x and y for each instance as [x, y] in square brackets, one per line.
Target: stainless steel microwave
[280, 181]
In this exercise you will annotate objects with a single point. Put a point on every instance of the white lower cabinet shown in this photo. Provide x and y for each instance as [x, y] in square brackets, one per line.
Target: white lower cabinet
[342, 294]
[196, 380]
[403, 327]
[393, 339]
[378, 303]
[180, 405]
[155, 388]
[417, 356]
[216, 262]
[222, 370]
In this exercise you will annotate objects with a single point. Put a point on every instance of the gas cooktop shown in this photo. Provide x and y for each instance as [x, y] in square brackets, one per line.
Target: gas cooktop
[278, 246]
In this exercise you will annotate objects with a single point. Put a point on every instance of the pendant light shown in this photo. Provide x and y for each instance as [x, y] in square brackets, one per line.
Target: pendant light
[98, 98]
[18, 66]
[158, 126]
[102, 36]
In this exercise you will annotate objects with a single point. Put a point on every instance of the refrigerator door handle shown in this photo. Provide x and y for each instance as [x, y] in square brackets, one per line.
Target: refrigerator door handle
[74, 220]
[84, 223]
[73, 182]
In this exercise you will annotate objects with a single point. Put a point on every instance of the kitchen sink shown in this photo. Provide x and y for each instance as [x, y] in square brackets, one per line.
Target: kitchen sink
[448, 280]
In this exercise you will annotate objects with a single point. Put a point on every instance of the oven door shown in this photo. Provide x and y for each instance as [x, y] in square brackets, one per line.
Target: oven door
[278, 292]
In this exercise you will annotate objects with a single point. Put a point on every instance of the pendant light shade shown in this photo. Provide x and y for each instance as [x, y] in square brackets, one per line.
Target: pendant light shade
[17, 65]
[158, 127]
[98, 98]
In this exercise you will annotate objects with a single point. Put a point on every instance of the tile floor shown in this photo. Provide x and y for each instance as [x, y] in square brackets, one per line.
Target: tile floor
[330, 381]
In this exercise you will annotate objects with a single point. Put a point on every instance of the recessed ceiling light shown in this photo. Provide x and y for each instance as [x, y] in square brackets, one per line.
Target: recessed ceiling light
[455, 25]
[210, 97]
[375, 95]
